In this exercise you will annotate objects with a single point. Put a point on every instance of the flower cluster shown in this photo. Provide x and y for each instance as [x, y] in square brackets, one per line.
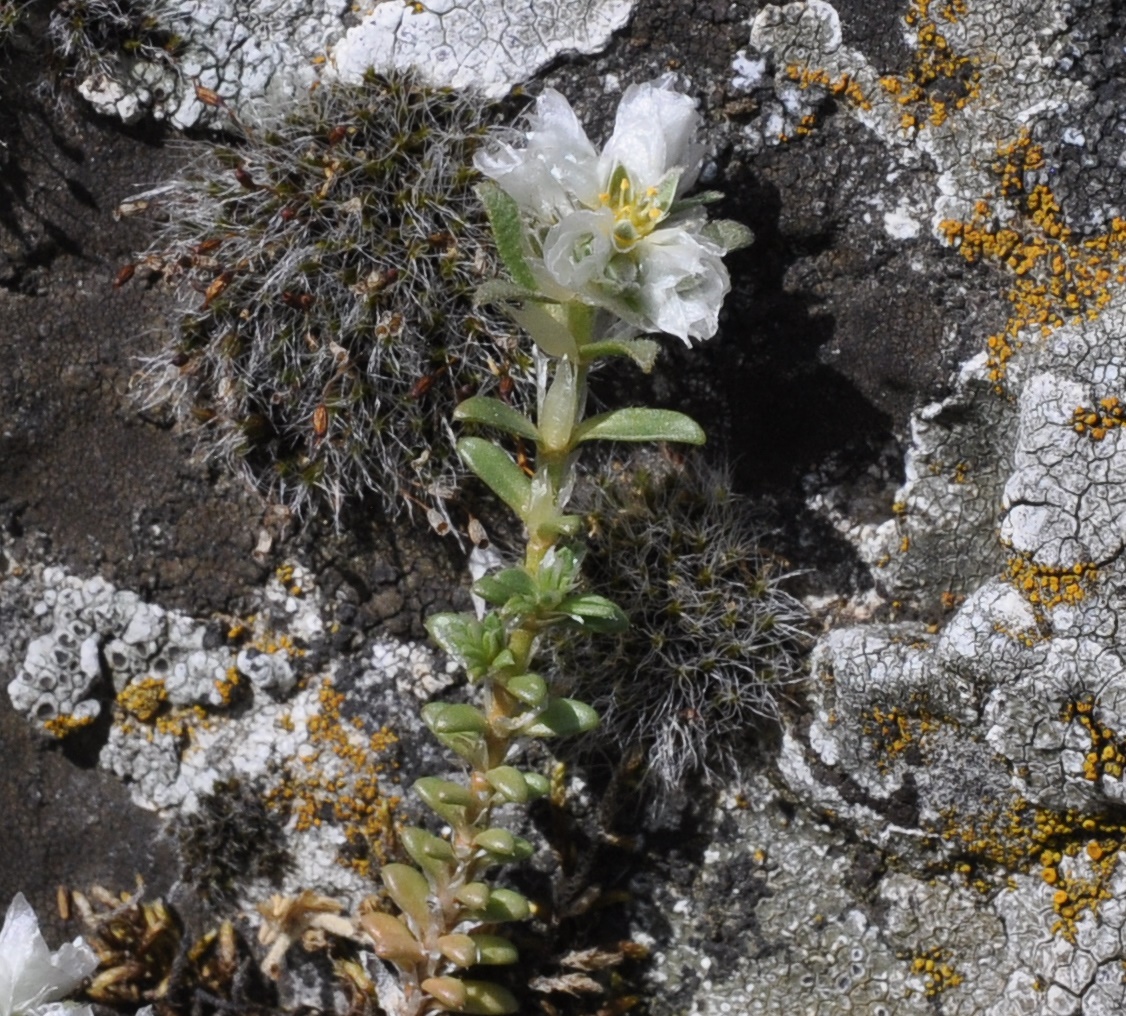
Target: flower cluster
[612, 229]
[32, 978]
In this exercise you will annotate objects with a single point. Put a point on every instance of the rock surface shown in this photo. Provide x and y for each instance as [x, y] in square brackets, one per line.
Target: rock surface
[921, 371]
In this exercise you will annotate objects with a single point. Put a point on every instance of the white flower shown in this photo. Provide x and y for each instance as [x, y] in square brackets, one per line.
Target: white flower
[603, 229]
[32, 978]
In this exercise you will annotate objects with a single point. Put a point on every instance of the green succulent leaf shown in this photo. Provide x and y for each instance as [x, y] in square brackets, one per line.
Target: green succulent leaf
[392, 939]
[504, 905]
[509, 782]
[497, 470]
[700, 198]
[454, 718]
[431, 853]
[563, 717]
[557, 415]
[494, 950]
[643, 352]
[595, 613]
[531, 689]
[546, 329]
[470, 747]
[503, 846]
[449, 991]
[474, 644]
[444, 797]
[641, 424]
[477, 998]
[494, 413]
[502, 586]
[729, 234]
[410, 891]
[558, 573]
[508, 230]
[501, 291]
[459, 949]
[474, 895]
[538, 784]
[483, 998]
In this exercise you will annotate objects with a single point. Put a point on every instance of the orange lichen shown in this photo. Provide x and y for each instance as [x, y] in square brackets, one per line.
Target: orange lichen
[66, 724]
[337, 778]
[939, 81]
[1107, 754]
[842, 86]
[1097, 421]
[1021, 838]
[227, 686]
[143, 699]
[938, 972]
[1058, 279]
[893, 731]
[1047, 587]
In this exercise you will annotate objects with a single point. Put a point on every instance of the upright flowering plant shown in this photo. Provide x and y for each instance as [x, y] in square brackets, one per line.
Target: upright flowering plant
[601, 249]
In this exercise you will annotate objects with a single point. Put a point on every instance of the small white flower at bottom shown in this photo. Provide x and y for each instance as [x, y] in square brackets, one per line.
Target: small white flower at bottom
[33, 979]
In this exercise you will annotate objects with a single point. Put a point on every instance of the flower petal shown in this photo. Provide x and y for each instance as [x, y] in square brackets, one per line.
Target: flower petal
[30, 974]
[683, 284]
[655, 131]
[577, 249]
[557, 168]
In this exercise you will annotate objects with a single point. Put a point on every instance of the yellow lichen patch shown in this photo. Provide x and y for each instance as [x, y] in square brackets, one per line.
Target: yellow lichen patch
[1058, 279]
[842, 86]
[143, 699]
[179, 722]
[337, 778]
[938, 972]
[1107, 754]
[1097, 421]
[66, 724]
[951, 600]
[277, 642]
[939, 81]
[1048, 587]
[1027, 637]
[806, 125]
[284, 574]
[893, 731]
[227, 686]
[1021, 838]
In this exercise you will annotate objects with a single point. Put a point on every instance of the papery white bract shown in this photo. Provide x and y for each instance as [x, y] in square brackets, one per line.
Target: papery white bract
[32, 978]
[603, 230]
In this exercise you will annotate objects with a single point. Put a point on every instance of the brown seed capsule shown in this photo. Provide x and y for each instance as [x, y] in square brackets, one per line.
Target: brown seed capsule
[337, 134]
[477, 533]
[218, 284]
[208, 96]
[245, 179]
[124, 275]
[320, 420]
[298, 301]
